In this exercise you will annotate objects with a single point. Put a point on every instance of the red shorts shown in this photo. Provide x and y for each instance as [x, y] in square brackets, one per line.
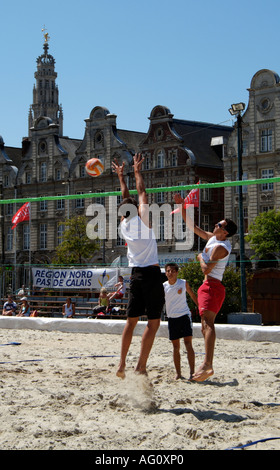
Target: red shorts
[119, 295]
[211, 296]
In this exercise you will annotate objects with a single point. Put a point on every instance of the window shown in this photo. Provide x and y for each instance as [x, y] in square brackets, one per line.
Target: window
[160, 159]
[60, 232]
[43, 236]
[205, 222]
[80, 203]
[119, 198]
[160, 196]
[120, 241]
[82, 171]
[173, 159]
[244, 178]
[161, 228]
[182, 192]
[6, 181]
[266, 140]
[60, 203]
[100, 200]
[205, 194]
[42, 147]
[244, 147]
[9, 209]
[43, 172]
[267, 173]
[58, 174]
[147, 163]
[266, 208]
[28, 177]
[9, 245]
[43, 206]
[26, 237]
[245, 218]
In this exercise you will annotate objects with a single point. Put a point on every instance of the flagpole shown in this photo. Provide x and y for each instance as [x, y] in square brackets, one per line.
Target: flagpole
[30, 287]
[15, 241]
[199, 216]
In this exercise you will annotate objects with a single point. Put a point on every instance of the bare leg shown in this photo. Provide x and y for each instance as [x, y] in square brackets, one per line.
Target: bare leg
[126, 341]
[177, 358]
[208, 331]
[146, 344]
[190, 353]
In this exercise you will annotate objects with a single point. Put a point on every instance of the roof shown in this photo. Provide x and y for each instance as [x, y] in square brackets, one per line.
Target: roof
[14, 154]
[197, 138]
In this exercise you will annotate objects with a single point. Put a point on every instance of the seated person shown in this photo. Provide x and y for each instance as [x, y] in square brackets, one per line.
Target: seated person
[103, 302]
[24, 309]
[121, 288]
[9, 307]
[68, 309]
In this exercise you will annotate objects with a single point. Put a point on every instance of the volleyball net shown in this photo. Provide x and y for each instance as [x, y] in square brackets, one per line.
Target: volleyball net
[222, 184]
[154, 190]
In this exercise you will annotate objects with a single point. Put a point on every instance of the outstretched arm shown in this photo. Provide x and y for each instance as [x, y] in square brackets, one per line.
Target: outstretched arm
[139, 181]
[117, 168]
[141, 190]
[191, 225]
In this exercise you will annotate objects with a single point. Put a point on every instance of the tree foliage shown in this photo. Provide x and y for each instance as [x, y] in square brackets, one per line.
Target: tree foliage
[264, 233]
[76, 247]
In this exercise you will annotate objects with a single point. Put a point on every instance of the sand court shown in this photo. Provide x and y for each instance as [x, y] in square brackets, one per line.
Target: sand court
[59, 389]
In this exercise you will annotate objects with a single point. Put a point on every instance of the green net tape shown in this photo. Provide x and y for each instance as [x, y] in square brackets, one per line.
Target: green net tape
[222, 184]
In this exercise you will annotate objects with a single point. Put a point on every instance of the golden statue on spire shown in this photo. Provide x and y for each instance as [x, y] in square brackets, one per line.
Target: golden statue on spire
[46, 35]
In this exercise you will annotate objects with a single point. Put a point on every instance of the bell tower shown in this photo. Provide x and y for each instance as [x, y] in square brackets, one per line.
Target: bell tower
[45, 91]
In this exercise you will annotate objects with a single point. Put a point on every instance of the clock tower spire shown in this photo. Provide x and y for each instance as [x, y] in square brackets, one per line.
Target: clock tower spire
[45, 91]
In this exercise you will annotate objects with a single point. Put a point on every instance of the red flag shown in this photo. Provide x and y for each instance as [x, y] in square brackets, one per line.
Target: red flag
[22, 215]
[192, 198]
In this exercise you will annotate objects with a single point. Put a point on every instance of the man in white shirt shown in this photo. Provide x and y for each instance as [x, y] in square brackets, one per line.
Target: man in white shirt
[211, 293]
[146, 293]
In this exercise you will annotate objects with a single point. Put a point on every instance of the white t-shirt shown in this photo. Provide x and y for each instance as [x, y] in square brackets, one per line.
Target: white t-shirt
[141, 242]
[175, 299]
[218, 270]
[68, 310]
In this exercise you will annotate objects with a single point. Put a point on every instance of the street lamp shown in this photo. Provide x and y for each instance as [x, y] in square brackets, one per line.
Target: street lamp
[236, 110]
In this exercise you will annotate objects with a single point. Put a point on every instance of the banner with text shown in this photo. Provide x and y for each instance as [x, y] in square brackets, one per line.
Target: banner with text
[88, 278]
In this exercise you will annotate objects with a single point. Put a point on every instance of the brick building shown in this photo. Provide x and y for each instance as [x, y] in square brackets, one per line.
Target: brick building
[176, 151]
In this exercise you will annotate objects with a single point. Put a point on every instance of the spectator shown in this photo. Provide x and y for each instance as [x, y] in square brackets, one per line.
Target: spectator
[24, 309]
[9, 307]
[121, 288]
[68, 309]
[103, 302]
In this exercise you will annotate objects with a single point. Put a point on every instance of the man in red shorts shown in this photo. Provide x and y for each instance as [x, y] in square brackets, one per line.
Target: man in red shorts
[211, 293]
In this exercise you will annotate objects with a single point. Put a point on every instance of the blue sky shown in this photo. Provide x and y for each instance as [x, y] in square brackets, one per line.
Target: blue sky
[195, 57]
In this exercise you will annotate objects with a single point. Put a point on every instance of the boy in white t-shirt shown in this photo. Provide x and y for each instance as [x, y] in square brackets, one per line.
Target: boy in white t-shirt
[179, 316]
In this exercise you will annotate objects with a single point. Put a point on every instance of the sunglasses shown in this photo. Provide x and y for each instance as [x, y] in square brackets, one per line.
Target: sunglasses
[221, 226]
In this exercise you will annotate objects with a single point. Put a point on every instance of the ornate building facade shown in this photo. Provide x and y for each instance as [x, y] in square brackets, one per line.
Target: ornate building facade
[260, 152]
[177, 152]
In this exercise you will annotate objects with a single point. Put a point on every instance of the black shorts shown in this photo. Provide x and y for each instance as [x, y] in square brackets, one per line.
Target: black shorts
[179, 327]
[146, 293]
